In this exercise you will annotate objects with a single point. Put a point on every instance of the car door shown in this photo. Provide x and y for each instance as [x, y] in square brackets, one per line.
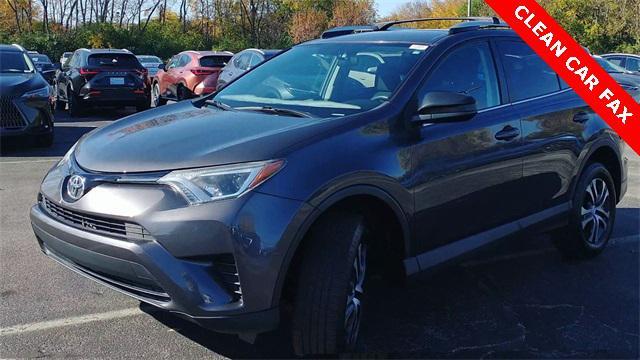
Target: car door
[174, 76]
[553, 120]
[466, 175]
[65, 75]
[165, 78]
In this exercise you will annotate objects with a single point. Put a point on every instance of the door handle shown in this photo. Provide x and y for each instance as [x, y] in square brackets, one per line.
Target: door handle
[581, 117]
[507, 133]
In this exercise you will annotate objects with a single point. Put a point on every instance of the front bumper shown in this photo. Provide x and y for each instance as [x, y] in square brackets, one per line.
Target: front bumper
[19, 117]
[184, 267]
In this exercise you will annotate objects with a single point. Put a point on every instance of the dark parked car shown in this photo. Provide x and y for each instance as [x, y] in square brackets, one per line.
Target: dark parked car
[102, 77]
[339, 161]
[25, 98]
[242, 62]
[44, 66]
[629, 80]
[630, 62]
[150, 62]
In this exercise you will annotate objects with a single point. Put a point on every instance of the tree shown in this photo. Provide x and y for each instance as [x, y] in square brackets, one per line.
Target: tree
[307, 24]
[353, 12]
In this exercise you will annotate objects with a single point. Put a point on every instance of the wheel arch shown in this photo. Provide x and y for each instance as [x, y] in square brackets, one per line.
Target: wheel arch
[607, 153]
[365, 198]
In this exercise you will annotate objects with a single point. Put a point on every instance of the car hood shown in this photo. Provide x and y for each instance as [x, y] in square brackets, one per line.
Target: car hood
[17, 84]
[184, 135]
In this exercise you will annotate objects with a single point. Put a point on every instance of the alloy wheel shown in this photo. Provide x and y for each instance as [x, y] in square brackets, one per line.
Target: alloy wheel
[155, 94]
[353, 312]
[595, 212]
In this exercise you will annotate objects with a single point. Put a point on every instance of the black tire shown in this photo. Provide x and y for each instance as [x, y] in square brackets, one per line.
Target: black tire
[144, 106]
[327, 277]
[183, 93]
[592, 217]
[58, 104]
[44, 140]
[156, 98]
[74, 104]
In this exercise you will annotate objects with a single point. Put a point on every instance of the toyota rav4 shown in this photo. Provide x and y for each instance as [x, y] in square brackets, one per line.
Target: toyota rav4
[379, 153]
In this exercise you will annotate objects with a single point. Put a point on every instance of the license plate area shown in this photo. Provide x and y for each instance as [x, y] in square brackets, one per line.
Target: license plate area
[116, 81]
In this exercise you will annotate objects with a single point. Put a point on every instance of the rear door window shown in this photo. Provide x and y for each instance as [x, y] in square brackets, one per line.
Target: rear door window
[618, 60]
[255, 60]
[214, 60]
[527, 74]
[468, 70]
[633, 64]
[121, 61]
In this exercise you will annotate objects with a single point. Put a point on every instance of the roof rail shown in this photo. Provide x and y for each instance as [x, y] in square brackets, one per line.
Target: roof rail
[19, 47]
[388, 24]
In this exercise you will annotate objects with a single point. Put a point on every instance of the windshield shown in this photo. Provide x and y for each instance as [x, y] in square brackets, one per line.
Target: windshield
[149, 59]
[325, 79]
[15, 62]
[608, 66]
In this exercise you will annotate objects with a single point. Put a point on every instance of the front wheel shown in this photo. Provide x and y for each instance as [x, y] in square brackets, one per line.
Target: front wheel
[592, 216]
[330, 295]
[156, 98]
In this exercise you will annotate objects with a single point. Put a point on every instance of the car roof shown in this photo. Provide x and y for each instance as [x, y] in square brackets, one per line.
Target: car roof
[5, 47]
[621, 54]
[107, 51]
[423, 36]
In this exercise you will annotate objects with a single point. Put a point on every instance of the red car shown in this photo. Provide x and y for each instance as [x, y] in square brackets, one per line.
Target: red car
[188, 74]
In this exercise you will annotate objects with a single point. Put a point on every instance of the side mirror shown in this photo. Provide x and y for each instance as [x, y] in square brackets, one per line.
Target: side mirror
[444, 106]
[161, 67]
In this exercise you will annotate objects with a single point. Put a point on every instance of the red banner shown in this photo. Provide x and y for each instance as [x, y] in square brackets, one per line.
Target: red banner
[574, 65]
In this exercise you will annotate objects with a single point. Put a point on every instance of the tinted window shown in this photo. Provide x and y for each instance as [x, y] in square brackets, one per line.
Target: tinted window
[243, 61]
[14, 62]
[255, 60]
[184, 60]
[633, 64]
[215, 60]
[527, 74]
[41, 59]
[616, 60]
[469, 70]
[113, 60]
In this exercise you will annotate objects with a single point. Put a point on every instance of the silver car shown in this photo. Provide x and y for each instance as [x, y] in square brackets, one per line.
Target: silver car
[242, 62]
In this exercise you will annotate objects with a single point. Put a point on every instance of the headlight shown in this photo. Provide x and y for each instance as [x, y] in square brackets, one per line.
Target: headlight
[38, 93]
[221, 182]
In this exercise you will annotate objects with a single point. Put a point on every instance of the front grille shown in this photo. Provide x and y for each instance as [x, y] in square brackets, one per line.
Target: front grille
[225, 265]
[98, 224]
[10, 116]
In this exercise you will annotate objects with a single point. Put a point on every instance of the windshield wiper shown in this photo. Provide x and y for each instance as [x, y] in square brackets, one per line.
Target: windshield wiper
[218, 104]
[276, 111]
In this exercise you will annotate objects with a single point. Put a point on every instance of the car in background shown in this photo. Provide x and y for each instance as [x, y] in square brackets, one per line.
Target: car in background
[44, 66]
[242, 62]
[629, 62]
[151, 63]
[25, 98]
[629, 80]
[65, 56]
[102, 77]
[188, 74]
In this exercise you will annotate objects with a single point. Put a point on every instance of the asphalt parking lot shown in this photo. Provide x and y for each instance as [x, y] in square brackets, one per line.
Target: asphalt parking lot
[518, 300]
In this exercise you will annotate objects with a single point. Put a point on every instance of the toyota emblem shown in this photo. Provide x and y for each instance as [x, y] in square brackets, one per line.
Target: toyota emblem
[75, 187]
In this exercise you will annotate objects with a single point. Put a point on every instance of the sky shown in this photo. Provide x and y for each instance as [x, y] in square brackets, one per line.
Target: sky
[385, 7]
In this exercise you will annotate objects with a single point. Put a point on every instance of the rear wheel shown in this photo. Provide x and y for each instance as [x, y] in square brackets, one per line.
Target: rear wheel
[329, 300]
[183, 93]
[74, 104]
[592, 216]
[58, 104]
